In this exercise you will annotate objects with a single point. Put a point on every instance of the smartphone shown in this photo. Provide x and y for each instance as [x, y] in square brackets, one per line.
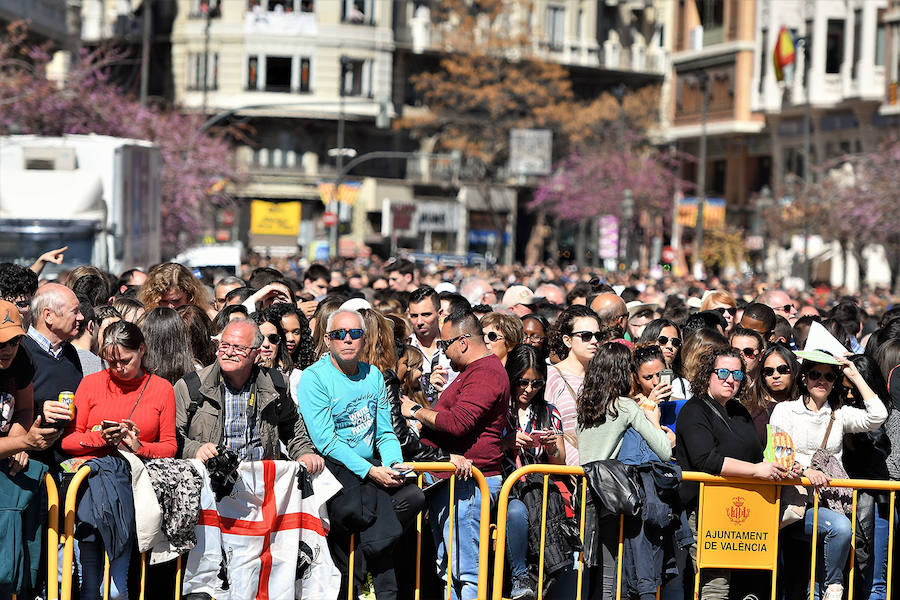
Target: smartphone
[106, 424]
[405, 471]
[538, 435]
[666, 375]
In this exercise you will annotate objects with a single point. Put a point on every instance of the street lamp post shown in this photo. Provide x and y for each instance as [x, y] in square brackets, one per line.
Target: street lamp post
[702, 80]
[807, 163]
[627, 210]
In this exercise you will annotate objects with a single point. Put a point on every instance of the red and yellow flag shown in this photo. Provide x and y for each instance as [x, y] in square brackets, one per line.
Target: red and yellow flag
[784, 53]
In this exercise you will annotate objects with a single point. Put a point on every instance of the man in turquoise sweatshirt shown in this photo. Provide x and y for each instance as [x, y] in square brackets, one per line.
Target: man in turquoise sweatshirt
[345, 406]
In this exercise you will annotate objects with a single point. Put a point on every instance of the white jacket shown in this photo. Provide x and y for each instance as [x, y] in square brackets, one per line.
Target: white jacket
[807, 428]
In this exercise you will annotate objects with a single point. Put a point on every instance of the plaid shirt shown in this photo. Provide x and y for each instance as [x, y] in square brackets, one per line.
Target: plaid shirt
[241, 434]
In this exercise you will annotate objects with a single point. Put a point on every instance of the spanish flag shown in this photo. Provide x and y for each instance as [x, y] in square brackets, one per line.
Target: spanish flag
[784, 55]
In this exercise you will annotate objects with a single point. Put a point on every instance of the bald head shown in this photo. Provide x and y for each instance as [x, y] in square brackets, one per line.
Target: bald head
[611, 309]
[551, 292]
[55, 313]
[781, 303]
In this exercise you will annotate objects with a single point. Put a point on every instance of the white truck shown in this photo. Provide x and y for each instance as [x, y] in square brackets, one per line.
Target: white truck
[98, 195]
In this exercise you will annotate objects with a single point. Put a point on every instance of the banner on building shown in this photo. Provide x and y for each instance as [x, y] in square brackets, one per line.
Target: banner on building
[275, 218]
[346, 194]
[713, 213]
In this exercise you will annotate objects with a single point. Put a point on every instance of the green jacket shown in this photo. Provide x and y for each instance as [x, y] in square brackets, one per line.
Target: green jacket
[22, 525]
[277, 416]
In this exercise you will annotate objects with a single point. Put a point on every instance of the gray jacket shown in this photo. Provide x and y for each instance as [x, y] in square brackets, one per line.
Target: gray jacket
[278, 416]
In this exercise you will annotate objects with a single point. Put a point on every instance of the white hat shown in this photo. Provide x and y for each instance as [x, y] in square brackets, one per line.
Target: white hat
[445, 286]
[694, 302]
[355, 304]
[636, 306]
[517, 294]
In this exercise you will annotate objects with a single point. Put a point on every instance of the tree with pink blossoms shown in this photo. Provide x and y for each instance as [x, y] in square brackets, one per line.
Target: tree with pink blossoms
[195, 163]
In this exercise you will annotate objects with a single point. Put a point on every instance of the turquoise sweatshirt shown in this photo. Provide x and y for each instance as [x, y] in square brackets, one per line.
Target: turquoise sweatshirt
[348, 417]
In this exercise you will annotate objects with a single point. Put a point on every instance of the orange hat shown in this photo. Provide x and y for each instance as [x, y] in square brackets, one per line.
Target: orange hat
[10, 321]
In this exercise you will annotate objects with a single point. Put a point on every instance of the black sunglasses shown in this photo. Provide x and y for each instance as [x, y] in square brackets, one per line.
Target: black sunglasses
[663, 340]
[585, 336]
[534, 383]
[445, 344]
[782, 370]
[274, 338]
[750, 352]
[722, 310]
[816, 375]
[493, 336]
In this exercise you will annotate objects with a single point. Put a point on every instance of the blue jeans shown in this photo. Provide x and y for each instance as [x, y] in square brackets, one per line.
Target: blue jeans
[834, 531]
[466, 525]
[879, 555]
[92, 559]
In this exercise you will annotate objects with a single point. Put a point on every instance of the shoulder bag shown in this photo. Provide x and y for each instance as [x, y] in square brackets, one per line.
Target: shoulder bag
[839, 500]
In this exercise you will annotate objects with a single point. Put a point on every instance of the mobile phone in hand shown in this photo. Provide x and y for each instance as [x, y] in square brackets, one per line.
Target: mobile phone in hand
[666, 375]
[107, 424]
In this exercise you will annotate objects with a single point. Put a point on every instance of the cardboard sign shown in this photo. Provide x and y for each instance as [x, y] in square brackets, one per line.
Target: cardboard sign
[738, 527]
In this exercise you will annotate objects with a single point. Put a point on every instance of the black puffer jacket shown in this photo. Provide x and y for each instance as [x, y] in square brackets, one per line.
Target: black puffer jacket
[410, 445]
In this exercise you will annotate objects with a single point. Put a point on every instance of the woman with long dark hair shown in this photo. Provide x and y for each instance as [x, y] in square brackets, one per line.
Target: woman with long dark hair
[776, 380]
[818, 420]
[199, 330]
[168, 348]
[538, 424]
[297, 334]
[667, 335]
[121, 406]
[605, 413]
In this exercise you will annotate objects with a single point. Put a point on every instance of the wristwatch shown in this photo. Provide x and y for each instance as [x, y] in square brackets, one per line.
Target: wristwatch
[415, 408]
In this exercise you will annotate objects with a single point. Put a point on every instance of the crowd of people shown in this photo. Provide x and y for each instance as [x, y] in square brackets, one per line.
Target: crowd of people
[363, 369]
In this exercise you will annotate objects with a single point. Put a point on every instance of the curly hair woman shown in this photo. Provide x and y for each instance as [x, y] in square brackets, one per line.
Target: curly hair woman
[172, 285]
[716, 435]
[605, 413]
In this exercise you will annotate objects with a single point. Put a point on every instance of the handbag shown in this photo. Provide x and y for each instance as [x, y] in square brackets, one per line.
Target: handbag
[794, 499]
[839, 500]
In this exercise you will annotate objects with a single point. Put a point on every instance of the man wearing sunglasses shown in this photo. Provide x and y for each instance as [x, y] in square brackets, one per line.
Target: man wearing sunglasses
[345, 403]
[238, 404]
[470, 418]
[781, 303]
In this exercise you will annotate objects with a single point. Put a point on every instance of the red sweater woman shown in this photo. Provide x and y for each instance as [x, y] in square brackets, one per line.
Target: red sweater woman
[123, 404]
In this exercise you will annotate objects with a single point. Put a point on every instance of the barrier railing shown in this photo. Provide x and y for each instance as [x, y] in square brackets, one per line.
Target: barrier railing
[738, 513]
[483, 535]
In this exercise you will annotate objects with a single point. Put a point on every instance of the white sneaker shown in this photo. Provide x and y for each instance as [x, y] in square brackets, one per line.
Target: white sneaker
[835, 591]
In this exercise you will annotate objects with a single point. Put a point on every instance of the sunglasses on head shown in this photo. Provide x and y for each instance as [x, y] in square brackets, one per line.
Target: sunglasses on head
[750, 352]
[781, 369]
[816, 375]
[492, 336]
[340, 334]
[11, 342]
[724, 373]
[722, 310]
[586, 336]
[663, 340]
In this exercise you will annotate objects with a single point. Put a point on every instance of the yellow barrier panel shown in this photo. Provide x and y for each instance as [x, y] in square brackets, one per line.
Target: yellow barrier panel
[69, 547]
[740, 493]
[52, 537]
[483, 534]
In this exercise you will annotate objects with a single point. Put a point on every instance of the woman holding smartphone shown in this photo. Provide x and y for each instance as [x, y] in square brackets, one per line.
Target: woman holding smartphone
[122, 407]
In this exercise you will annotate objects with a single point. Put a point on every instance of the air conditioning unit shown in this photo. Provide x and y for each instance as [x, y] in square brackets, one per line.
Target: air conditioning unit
[51, 158]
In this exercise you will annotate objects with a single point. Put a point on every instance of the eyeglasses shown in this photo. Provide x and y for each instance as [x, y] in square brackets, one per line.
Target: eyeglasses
[750, 352]
[273, 338]
[445, 344]
[534, 384]
[225, 348]
[722, 310]
[585, 336]
[11, 342]
[816, 375]
[663, 340]
[340, 334]
[534, 337]
[492, 336]
[781, 369]
[724, 373]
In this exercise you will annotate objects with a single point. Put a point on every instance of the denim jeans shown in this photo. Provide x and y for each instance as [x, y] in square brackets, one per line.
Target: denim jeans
[834, 531]
[92, 559]
[879, 575]
[466, 526]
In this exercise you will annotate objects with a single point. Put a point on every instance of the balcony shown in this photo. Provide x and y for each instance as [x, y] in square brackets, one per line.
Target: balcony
[263, 23]
[47, 18]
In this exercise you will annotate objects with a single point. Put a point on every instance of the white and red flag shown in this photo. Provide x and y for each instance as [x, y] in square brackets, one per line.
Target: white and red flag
[249, 543]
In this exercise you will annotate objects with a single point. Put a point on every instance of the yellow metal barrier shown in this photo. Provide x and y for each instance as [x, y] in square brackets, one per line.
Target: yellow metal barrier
[737, 514]
[52, 537]
[483, 534]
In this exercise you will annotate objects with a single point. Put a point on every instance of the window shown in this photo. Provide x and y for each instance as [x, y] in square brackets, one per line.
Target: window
[282, 6]
[278, 73]
[880, 44]
[252, 73]
[356, 77]
[712, 18]
[834, 46]
[200, 70]
[359, 12]
[304, 74]
[857, 40]
[763, 59]
[556, 26]
[200, 9]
